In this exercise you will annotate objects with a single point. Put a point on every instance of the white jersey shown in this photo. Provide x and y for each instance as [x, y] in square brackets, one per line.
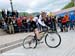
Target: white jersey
[41, 22]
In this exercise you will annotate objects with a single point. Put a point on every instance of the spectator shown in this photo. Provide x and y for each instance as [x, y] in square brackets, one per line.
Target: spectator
[64, 24]
[10, 25]
[14, 23]
[60, 23]
[53, 21]
[0, 23]
[3, 13]
[67, 20]
[19, 23]
[72, 19]
[8, 13]
[31, 23]
[24, 23]
[4, 26]
[6, 19]
[13, 13]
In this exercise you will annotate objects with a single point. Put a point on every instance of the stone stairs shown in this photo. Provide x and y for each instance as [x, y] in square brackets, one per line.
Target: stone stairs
[9, 42]
[8, 46]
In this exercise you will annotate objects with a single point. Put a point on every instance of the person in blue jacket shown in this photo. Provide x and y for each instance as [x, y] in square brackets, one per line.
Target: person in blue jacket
[72, 21]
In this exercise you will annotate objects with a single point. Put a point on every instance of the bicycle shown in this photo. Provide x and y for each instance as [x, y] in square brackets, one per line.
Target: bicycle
[52, 40]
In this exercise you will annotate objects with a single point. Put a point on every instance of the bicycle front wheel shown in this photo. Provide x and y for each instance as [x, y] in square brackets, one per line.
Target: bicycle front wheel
[29, 42]
[52, 40]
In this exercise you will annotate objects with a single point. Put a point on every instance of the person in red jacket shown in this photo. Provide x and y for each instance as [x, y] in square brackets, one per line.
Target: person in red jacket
[19, 23]
[64, 22]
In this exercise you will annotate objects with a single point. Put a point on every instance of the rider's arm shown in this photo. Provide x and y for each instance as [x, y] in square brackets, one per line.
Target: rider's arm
[41, 22]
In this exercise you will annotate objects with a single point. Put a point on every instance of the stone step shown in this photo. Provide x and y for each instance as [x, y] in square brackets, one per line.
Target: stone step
[11, 43]
[2, 50]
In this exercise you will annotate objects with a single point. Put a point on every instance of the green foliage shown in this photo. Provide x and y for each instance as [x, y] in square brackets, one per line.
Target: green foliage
[35, 13]
[71, 4]
[23, 14]
[27, 14]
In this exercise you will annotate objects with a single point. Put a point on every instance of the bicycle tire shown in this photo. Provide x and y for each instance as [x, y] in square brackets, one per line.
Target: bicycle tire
[51, 45]
[28, 37]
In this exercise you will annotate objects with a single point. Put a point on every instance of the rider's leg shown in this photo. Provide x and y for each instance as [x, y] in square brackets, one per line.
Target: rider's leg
[37, 34]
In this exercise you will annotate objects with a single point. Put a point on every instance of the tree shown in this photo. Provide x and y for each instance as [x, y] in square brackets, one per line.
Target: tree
[71, 4]
[23, 14]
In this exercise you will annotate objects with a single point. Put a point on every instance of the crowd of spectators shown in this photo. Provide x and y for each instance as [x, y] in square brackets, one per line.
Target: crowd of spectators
[67, 22]
[13, 23]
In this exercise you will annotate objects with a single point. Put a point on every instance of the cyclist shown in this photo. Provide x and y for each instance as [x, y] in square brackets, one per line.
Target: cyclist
[42, 21]
[33, 26]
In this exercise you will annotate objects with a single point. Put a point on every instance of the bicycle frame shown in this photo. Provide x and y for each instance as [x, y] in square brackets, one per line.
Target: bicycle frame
[48, 31]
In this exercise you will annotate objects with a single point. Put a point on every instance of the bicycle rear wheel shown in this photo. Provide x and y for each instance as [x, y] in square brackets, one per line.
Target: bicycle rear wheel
[52, 40]
[29, 42]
